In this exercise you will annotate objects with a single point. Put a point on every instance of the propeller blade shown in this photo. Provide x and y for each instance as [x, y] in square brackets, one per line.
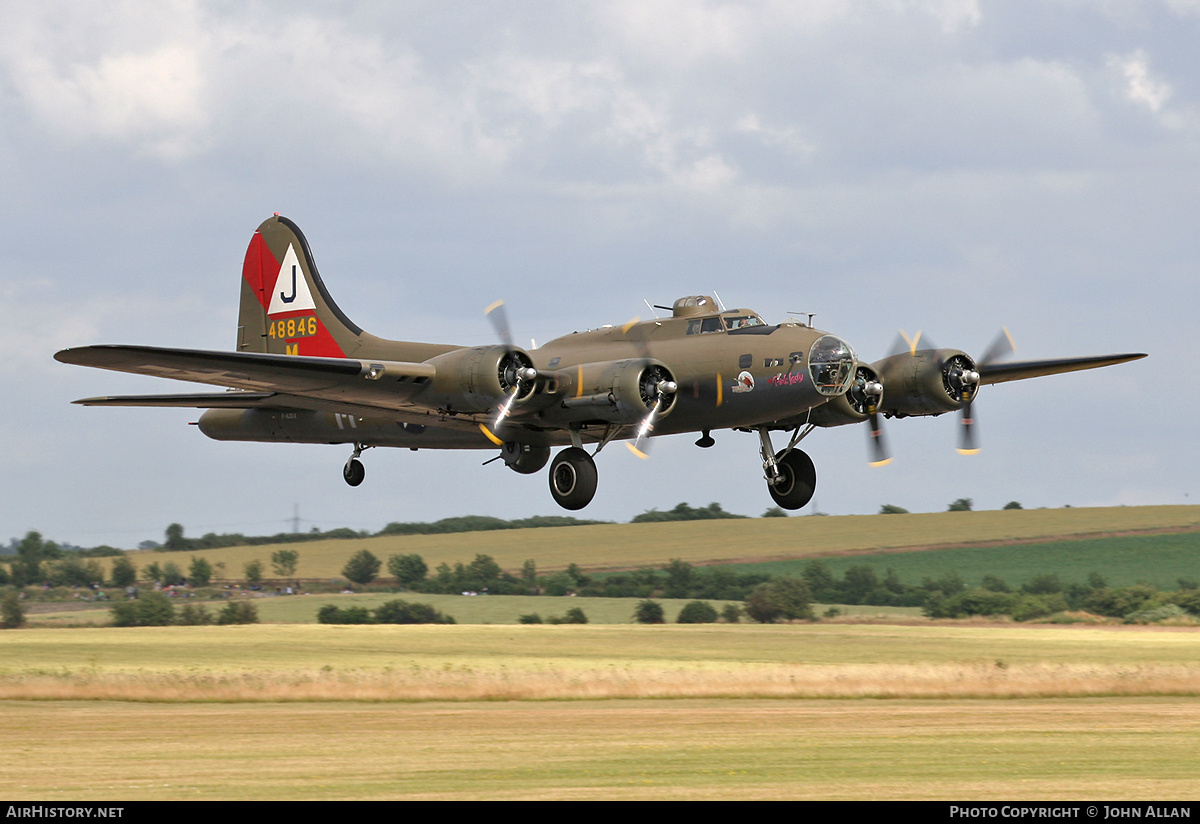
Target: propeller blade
[521, 375]
[879, 451]
[504, 410]
[966, 439]
[1001, 348]
[639, 337]
[499, 318]
[904, 344]
[640, 445]
[641, 441]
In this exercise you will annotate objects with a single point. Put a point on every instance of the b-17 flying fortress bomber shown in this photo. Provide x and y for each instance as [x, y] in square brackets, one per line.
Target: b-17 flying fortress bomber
[305, 373]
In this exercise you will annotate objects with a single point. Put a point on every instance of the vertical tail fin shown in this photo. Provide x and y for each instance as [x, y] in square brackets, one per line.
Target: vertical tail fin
[285, 307]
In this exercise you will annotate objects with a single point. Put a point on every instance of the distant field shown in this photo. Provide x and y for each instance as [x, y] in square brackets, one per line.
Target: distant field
[1156, 559]
[496, 609]
[622, 546]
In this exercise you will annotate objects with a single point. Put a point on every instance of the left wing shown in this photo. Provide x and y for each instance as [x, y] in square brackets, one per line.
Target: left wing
[381, 385]
[195, 400]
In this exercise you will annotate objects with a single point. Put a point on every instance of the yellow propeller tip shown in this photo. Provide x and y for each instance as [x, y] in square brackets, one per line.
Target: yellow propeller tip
[488, 433]
[629, 325]
[884, 462]
[968, 452]
[493, 307]
[637, 451]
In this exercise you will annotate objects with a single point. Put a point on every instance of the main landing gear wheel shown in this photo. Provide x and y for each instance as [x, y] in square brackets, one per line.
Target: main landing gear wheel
[354, 472]
[797, 480]
[573, 478]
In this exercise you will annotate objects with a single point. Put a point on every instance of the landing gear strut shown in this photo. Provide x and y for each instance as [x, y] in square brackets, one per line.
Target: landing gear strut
[573, 478]
[791, 476]
[353, 471]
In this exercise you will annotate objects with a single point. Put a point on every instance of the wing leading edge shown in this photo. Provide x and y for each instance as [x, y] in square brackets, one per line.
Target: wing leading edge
[1020, 370]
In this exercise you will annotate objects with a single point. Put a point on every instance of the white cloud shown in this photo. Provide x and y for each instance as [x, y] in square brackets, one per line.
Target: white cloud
[1140, 87]
[952, 15]
[789, 138]
[680, 33]
[153, 99]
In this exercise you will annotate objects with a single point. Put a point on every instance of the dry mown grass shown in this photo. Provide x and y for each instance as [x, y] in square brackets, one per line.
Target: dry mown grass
[550, 682]
[1112, 748]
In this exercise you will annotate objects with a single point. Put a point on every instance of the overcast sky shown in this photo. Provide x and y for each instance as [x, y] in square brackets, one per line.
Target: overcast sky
[953, 166]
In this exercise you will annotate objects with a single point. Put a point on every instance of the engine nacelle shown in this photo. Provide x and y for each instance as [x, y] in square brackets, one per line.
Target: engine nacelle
[863, 398]
[929, 382]
[478, 379]
[617, 391]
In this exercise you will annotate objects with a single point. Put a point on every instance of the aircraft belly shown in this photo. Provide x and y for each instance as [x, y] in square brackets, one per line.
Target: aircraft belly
[307, 426]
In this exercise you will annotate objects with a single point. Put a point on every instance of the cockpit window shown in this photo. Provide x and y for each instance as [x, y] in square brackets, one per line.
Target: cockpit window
[700, 326]
[743, 321]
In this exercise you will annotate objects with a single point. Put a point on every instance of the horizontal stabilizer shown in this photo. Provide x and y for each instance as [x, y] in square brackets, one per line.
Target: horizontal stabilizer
[1020, 370]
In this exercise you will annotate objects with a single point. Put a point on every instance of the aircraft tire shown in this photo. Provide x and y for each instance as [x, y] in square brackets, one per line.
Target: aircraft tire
[573, 478]
[354, 472]
[798, 482]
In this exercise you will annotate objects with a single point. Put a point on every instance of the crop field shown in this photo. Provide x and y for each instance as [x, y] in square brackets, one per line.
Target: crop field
[623, 546]
[620, 711]
[1160, 560]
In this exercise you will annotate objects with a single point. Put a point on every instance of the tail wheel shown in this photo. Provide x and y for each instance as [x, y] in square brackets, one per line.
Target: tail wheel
[797, 480]
[354, 472]
[573, 478]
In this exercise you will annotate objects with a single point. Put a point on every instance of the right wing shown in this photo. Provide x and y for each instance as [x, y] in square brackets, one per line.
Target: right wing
[1003, 371]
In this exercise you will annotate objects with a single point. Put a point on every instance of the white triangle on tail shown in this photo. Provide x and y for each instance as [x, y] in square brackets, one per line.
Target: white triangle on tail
[291, 292]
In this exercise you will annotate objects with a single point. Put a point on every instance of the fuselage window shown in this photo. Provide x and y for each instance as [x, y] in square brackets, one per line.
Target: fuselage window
[743, 321]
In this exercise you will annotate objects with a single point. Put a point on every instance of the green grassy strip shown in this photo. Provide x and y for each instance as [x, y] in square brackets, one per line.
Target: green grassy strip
[1156, 559]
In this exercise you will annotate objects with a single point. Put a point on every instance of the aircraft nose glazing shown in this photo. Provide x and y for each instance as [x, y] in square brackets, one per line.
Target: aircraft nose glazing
[831, 362]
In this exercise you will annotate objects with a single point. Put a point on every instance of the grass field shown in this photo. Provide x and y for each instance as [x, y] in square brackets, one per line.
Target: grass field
[427, 662]
[487, 709]
[321, 712]
[1112, 749]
